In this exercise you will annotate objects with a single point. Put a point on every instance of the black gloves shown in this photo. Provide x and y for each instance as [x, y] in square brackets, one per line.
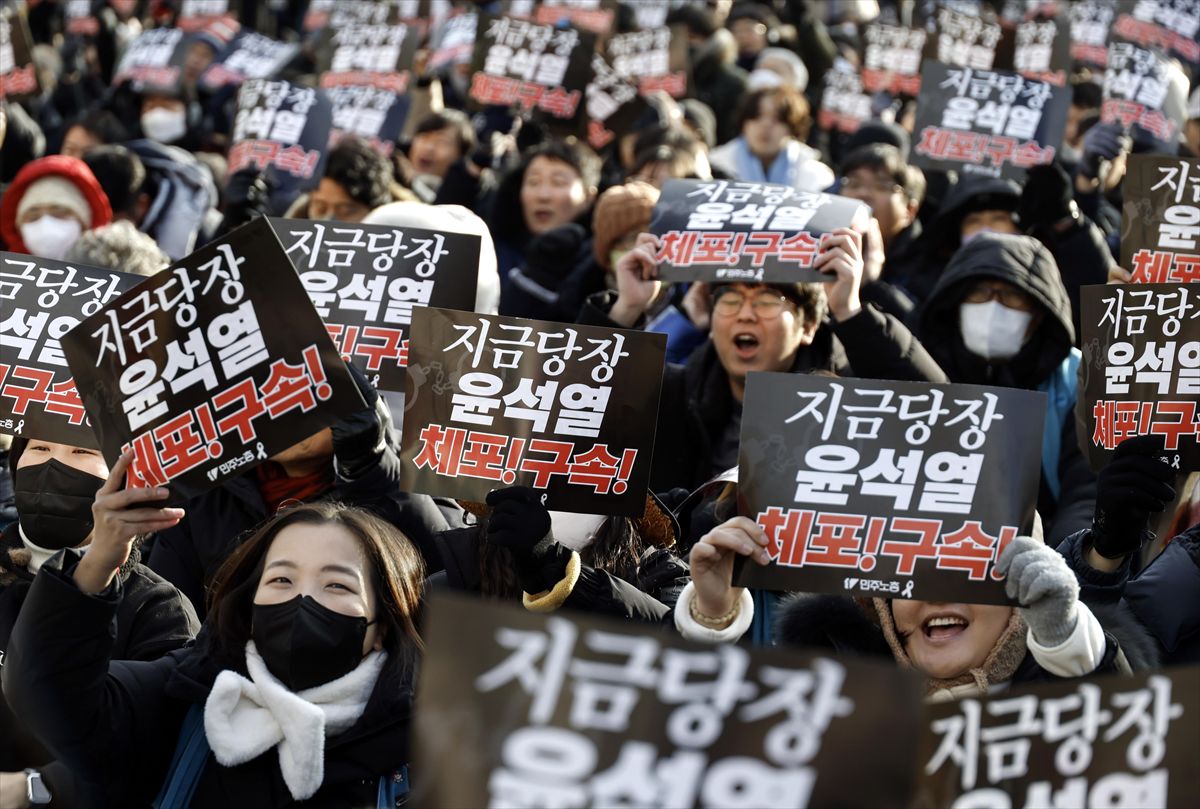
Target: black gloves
[359, 439]
[520, 523]
[1101, 143]
[1046, 199]
[1134, 485]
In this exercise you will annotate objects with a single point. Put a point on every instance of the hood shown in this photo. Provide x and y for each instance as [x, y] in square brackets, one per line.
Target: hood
[1026, 264]
[969, 194]
[69, 168]
[720, 49]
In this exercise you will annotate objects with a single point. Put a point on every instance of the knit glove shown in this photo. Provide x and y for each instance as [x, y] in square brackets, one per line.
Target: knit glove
[1135, 484]
[520, 523]
[1101, 143]
[1038, 579]
[359, 439]
[1046, 198]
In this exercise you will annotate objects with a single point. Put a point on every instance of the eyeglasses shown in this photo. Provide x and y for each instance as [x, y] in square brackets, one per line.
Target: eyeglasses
[1008, 296]
[766, 303]
[878, 187]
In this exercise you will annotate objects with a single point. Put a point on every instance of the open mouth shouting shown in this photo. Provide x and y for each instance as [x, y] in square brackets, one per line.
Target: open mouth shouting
[944, 627]
[745, 345]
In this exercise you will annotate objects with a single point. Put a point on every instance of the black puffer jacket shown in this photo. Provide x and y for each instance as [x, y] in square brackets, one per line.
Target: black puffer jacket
[153, 619]
[116, 723]
[1046, 362]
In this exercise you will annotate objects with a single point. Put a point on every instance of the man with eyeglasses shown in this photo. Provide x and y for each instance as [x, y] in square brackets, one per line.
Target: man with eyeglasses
[1000, 315]
[755, 327]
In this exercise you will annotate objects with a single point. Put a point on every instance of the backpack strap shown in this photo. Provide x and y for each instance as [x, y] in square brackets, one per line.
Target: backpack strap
[191, 754]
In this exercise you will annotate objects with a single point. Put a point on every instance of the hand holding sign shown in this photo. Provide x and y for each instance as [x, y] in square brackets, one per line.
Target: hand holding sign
[637, 281]
[841, 257]
[118, 520]
[1038, 578]
[711, 563]
[1135, 484]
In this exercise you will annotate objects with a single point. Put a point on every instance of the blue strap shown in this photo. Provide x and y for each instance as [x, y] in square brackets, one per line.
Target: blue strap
[393, 789]
[1060, 389]
[191, 754]
[762, 627]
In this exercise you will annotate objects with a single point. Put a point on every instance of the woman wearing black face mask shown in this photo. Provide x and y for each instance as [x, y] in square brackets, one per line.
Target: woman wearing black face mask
[298, 688]
[55, 486]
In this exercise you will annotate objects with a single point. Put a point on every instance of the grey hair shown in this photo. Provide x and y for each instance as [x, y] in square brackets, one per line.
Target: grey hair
[119, 246]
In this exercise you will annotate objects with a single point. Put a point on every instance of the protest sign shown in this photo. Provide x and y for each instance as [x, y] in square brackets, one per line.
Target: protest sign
[963, 39]
[595, 16]
[454, 41]
[18, 74]
[536, 67]
[1168, 24]
[1091, 22]
[78, 19]
[378, 56]
[1139, 95]
[196, 14]
[892, 59]
[365, 281]
[613, 104]
[249, 55]
[892, 489]
[656, 59]
[984, 122]
[153, 61]
[342, 13]
[1042, 49]
[1141, 369]
[376, 116]
[501, 401]
[1104, 741]
[1160, 221]
[40, 301]
[210, 366]
[283, 129]
[844, 105]
[520, 709]
[716, 230]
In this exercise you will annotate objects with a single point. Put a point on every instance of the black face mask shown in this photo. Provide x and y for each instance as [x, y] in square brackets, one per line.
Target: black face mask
[54, 502]
[305, 644]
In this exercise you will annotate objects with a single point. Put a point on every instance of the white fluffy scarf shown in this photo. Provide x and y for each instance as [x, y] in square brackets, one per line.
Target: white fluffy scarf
[245, 718]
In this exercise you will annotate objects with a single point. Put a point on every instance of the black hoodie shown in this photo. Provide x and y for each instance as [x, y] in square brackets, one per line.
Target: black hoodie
[1044, 361]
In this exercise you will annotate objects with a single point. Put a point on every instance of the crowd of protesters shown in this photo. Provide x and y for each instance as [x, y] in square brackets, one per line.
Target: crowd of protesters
[286, 639]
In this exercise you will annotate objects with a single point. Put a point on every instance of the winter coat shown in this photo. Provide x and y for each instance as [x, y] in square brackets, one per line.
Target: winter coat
[189, 554]
[1046, 362]
[153, 619]
[559, 272]
[69, 168]
[797, 165]
[182, 212]
[1164, 596]
[905, 259]
[719, 83]
[116, 723]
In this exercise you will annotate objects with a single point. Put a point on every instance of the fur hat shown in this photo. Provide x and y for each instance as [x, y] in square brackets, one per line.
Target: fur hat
[55, 189]
[620, 210]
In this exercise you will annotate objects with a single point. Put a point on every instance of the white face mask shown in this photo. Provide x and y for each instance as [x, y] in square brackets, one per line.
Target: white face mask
[574, 531]
[164, 125]
[760, 78]
[50, 237]
[992, 330]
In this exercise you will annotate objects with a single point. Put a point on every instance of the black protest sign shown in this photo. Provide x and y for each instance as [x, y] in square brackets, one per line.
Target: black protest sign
[535, 67]
[341, 13]
[501, 401]
[365, 281]
[249, 55]
[963, 39]
[716, 230]
[1042, 49]
[376, 116]
[40, 301]
[987, 122]
[79, 19]
[210, 366]
[454, 41]
[893, 489]
[844, 105]
[1160, 222]
[154, 60]
[1141, 369]
[196, 14]
[1168, 24]
[378, 56]
[1091, 23]
[520, 709]
[892, 59]
[613, 104]
[283, 129]
[1138, 95]
[18, 74]
[657, 59]
[1102, 741]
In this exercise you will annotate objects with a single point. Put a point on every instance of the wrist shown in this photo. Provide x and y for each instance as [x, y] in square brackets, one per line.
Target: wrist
[626, 314]
[705, 608]
[844, 313]
[1104, 564]
[92, 574]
